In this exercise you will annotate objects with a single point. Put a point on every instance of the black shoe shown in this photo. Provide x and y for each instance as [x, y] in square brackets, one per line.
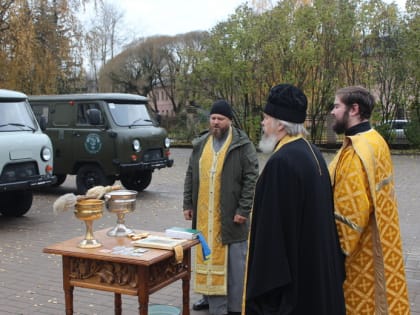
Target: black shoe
[201, 304]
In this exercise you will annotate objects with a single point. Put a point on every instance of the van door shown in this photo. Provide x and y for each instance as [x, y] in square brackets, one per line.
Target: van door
[60, 121]
[94, 147]
[89, 140]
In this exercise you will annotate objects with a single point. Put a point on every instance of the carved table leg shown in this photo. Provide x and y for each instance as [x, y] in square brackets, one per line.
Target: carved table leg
[117, 304]
[68, 289]
[68, 293]
[185, 296]
[186, 284]
[143, 293]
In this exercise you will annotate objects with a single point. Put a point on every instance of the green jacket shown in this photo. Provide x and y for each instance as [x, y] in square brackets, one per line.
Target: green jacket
[239, 175]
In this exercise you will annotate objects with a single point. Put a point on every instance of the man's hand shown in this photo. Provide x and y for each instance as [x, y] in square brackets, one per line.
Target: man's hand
[188, 214]
[237, 219]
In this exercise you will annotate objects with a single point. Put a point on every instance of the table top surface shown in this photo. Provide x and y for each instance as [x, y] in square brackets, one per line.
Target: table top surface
[112, 247]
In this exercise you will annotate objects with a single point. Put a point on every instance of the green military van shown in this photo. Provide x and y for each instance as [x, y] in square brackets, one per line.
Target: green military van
[103, 137]
[26, 160]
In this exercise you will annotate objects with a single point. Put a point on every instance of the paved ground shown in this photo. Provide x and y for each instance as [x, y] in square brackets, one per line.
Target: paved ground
[31, 282]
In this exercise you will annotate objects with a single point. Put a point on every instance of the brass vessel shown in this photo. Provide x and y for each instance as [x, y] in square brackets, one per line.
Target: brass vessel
[89, 210]
[120, 202]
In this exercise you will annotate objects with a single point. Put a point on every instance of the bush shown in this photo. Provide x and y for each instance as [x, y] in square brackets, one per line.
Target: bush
[386, 132]
[412, 132]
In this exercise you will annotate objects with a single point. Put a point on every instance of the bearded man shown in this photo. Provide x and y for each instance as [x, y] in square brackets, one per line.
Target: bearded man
[294, 265]
[366, 210]
[218, 191]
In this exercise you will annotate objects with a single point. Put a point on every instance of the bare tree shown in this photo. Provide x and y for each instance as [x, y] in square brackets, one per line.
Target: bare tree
[104, 37]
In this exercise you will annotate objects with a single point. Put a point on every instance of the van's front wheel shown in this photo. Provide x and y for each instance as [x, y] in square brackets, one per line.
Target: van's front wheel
[137, 180]
[15, 203]
[89, 176]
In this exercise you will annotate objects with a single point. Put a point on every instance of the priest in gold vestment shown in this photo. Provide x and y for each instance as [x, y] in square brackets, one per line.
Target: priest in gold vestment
[218, 192]
[366, 211]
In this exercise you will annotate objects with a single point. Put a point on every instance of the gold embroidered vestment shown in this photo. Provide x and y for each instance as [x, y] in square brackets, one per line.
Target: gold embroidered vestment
[368, 227]
[211, 274]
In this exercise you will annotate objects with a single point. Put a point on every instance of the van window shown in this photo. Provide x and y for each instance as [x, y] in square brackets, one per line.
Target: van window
[63, 115]
[15, 116]
[82, 112]
[40, 111]
[130, 114]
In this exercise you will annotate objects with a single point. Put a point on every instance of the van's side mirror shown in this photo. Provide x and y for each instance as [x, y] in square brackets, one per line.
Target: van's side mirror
[94, 116]
[43, 123]
[159, 118]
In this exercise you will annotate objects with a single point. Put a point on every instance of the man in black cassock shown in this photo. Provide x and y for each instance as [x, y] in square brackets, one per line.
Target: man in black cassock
[295, 264]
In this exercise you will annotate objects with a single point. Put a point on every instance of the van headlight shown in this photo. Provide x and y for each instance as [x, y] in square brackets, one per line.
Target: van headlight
[136, 145]
[167, 142]
[46, 154]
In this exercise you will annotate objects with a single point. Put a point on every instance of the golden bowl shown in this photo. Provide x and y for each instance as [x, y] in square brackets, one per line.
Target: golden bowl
[89, 209]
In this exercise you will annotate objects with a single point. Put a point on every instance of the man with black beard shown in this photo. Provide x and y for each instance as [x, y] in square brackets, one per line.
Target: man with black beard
[366, 210]
[218, 191]
[294, 265]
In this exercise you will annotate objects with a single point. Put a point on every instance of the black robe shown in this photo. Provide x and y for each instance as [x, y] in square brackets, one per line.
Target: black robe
[295, 264]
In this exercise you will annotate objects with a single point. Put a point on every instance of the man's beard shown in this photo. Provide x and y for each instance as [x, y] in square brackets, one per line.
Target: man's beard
[267, 143]
[340, 126]
[218, 132]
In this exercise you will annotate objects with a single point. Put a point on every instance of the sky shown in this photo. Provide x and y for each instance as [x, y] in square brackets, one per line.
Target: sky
[172, 17]
[145, 18]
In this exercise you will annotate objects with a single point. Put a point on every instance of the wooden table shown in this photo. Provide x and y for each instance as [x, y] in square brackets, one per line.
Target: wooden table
[101, 269]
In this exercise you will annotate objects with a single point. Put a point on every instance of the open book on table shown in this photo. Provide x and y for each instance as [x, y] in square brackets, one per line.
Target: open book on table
[159, 242]
[181, 232]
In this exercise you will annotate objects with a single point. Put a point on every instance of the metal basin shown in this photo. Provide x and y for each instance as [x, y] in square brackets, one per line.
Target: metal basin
[121, 201]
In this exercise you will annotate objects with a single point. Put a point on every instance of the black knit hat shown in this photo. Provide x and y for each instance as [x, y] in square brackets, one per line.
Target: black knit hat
[286, 102]
[221, 107]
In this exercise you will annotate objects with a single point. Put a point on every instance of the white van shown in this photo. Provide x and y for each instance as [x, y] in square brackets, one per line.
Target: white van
[25, 154]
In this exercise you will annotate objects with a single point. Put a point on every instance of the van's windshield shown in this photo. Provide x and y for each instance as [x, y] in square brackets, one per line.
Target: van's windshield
[16, 116]
[130, 114]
